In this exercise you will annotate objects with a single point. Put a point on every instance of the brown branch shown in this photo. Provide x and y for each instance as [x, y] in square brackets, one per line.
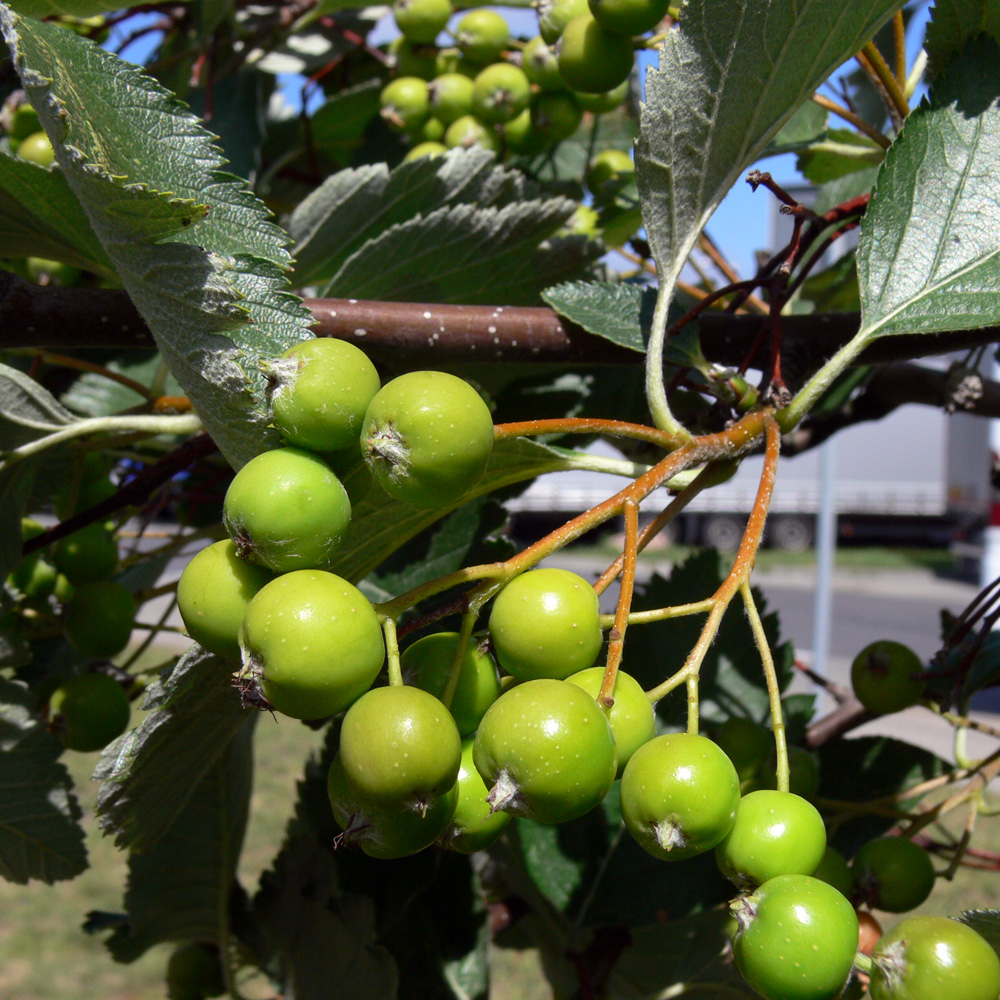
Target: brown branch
[135, 492]
[74, 318]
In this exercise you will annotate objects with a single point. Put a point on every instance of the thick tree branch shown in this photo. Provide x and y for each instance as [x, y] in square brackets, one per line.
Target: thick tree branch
[72, 318]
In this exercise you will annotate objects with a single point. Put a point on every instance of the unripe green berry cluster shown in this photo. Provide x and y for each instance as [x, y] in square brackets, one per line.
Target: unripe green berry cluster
[510, 96]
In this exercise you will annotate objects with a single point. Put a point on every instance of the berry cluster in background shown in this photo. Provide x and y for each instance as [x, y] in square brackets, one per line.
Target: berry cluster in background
[521, 98]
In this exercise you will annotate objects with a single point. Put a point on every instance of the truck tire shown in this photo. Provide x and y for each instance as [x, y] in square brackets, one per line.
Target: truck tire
[791, 532]
[723, 531]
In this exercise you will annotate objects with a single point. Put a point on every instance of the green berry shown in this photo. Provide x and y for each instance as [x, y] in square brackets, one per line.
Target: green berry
[89, 711]
[591, 59]
[318, 391]
[311, 644]
[285, 509]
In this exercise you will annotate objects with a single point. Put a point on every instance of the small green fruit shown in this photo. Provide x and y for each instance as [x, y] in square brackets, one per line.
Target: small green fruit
[87, 555]
[213, 594]
[37, 148]
[194, 971]
[286, 510]
[319, 391]
[546, 750]
[427, 664]
[796, 939]
[775, 833]
[554, 15]
[500, 92]
[475, 826]
[98, 618]
[425, 149]
[482, 35]
[469, 131]
[629, 17]
[311, 644]
[421, 21]
[89, 711]
[427, 437]
[591, 59]
[892, 874]
[404, 103]
[450, 96]
[887, 677]
[679, 796]
[399, 747]
[631, 716]
[934, 958]
[545, 623]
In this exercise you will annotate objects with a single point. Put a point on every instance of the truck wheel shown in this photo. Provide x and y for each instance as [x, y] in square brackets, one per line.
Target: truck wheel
[791, 533]
[723, 532]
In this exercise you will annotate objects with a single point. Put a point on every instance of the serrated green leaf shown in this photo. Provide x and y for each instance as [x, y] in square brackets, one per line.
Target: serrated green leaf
[622, 313]
[194, 713]
[41, 217]
[40, 834]
[728, 78]
[72, 8]
[617, 311]
[861, 769]
[985, 923]
[806, 126]
[929, 253]
[689, 954]
[353, 208]
[469, 254]
[955, 22]
[380, 525]
[838, 153]
[327, 940]
[180, 889]
[191, 244]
